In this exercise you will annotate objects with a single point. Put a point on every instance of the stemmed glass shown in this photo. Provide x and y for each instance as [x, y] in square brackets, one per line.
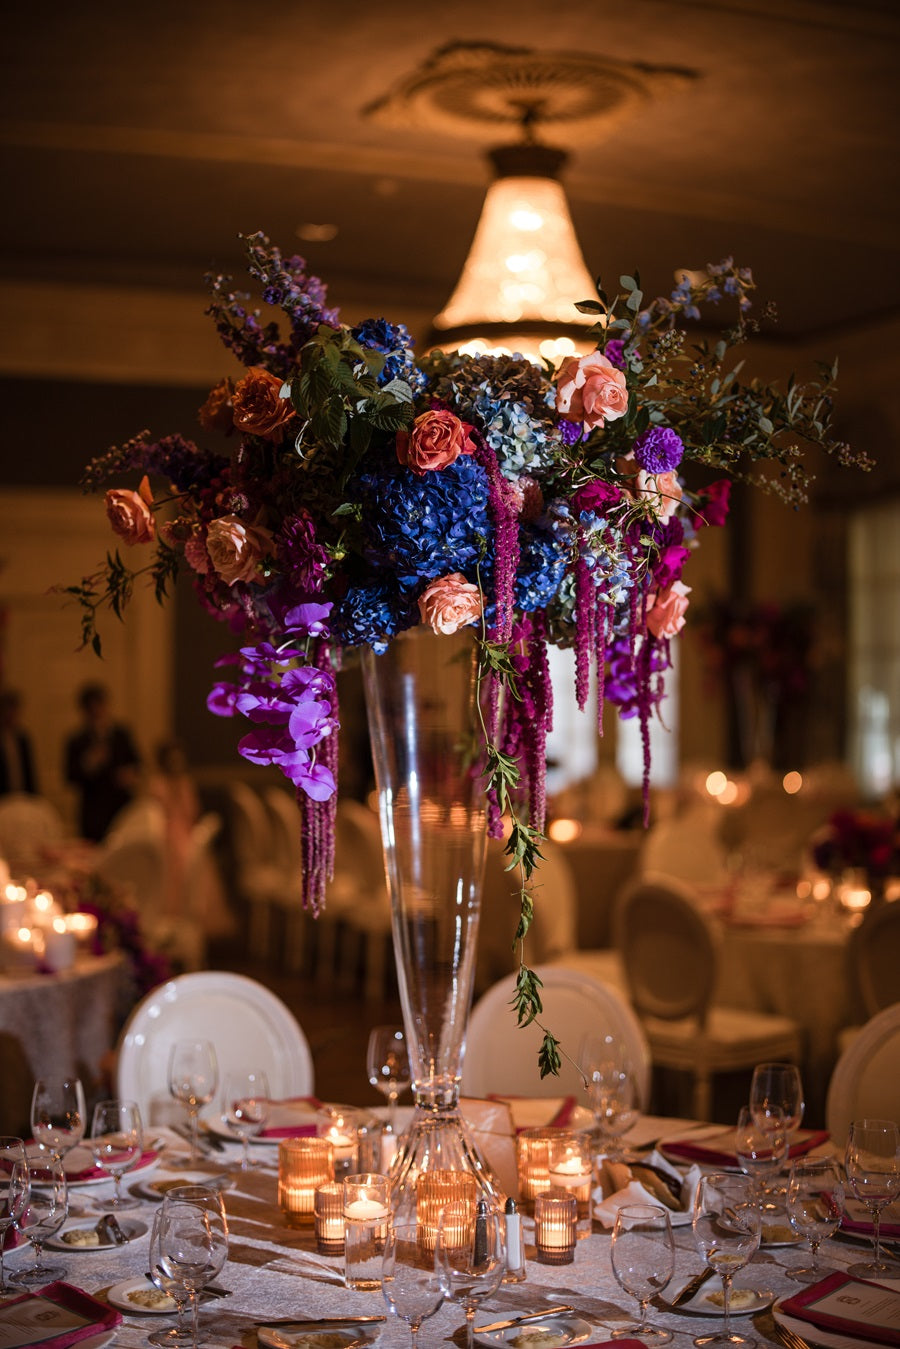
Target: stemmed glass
[409, 1280]
[193, 1242]
[470, 1256]
[727, 1227]
[178, 1334]
[815, 1202]
[778, 1085]
[193, 1078]
[43, 1214]
[643, 1261]
[760, 1144]
[872, 1164]
[58, 1114]
[612, 1092]
[245, 1108]
[14, 1193]
[387, 1063]
[116, 1142]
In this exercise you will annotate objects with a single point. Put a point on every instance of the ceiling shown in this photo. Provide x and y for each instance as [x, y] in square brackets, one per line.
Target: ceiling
[138, 141]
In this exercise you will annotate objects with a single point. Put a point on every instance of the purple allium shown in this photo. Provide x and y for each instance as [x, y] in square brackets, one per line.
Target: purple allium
[658, 449]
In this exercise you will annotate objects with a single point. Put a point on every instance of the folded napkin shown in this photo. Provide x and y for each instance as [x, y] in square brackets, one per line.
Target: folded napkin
[530, 1112]
[76, 1172]
[292, 1118]
[863, 1224]
[865, 1312]
[637, 1191]
[717, 1149]
[72, 1313]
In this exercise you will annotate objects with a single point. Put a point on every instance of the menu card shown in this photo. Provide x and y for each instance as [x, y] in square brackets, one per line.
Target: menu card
[848, 1306]
[56, 1317]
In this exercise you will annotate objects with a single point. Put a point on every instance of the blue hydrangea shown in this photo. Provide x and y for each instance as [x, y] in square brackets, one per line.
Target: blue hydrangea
[542, 565]
[393, 339]
[519, 442]
[372, 614]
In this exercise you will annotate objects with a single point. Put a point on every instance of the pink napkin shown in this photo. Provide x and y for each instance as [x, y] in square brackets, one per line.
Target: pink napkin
[707, 1155]
[307, 1130]
[96, 1316]
[864, 1227]
[97, 1172]
[799, 1307]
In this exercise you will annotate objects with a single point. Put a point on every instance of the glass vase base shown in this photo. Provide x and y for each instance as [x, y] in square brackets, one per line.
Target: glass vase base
[437, 1141]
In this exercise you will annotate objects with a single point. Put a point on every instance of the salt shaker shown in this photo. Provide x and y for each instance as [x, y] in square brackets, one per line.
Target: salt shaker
[515, 1262]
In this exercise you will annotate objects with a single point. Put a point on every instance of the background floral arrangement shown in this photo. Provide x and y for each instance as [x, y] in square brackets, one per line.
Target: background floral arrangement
[865, 839]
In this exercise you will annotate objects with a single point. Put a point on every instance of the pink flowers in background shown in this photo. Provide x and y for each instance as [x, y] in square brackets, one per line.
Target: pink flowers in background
[130, 513]
[437, 438]
[450, 603]
[236, 549]
[590, 389]
[865, 839]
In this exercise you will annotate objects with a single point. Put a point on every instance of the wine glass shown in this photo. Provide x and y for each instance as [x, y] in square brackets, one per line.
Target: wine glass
[612, 1091]
[14, 1192]
[872, 1164]
[760, 1144]
[815, 1202]
[193, 1078]
[643, 1261]
[44, 1213]
[779, 1085]
[179, 1334]
[387, 1062]
[116, 1142]
[58, 1114]
[409, 1280]
[245, 1107]
[727, 1227]
[470, 1255]
[193, 1242]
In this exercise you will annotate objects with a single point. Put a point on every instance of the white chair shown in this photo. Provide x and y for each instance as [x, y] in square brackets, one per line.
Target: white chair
[288, 856]
[874, 956]
[205, 900]
[686, 847]
[552, 932]
[357, 901]
[866, 1081]
[28, 826]
[669, 954]
[259, 880]
[248, 1025]
[501, 1056]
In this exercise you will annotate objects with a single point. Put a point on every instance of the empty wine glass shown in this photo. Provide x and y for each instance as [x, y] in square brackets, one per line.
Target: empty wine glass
[44, 1213]
[116, 1142]
[245, 1107]
[815, 1202]
[470, 1255]
[612, 1091]
[387, 1062]
[193, 1078]
[193, 1242]
[14, 1191]
[778, 1085]
[760, 1144]
[178, 1334]
[409, 1280]
[58, 1114]
[727, 1227]
[643, 1261]
[872, 1164]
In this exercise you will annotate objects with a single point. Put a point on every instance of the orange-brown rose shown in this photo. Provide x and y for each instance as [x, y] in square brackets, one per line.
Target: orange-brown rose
[436, 439]
[235, 548]
[591, 389]
[217, 413]
[130, 515]
[257, 407]
[449, 603]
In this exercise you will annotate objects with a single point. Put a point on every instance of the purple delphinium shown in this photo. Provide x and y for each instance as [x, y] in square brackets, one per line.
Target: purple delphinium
[659, 449]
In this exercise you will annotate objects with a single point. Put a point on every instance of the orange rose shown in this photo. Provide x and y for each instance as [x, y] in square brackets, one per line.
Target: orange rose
[258, 407]
[449, 603]
[130, 515]
[590, 389]
[217, 413]
[436, 439]
[236, 549]
[663, 491]
[666, 610]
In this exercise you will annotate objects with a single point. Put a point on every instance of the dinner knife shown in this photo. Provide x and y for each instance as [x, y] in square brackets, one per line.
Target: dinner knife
[305, 1322]
[693, 1287]
[518, 1320]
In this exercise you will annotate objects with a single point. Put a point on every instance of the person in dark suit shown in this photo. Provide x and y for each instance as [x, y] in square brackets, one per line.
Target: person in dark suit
[102, 762]
[16, 757]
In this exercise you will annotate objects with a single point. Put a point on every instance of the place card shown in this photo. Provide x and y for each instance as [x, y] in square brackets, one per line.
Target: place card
[56, 1317]
[848, 1306]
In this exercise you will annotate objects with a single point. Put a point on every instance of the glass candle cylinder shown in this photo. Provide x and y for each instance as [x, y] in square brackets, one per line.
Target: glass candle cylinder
[555, 1220]
[329, 1214]
[338, 1123]
[365, 1228]
[571, 1169]
[303, 1165]
[533, 1163]
[434, 1191]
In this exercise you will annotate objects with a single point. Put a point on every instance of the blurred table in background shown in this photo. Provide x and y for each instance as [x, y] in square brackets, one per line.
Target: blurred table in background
[602, 861]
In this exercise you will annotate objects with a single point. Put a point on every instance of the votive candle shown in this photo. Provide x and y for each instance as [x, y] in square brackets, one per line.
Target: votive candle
[303, 1165]
[571, 1169]
[434, 1191]
[555, 1221]
[533, 1163]
[365, 1201]
[329, 1217]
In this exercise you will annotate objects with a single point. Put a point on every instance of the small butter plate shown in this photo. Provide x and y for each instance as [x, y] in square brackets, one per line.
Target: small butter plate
[550, 1331]
[744, 1302]
[121, 1296]
[58, 1242]
[330, 1336]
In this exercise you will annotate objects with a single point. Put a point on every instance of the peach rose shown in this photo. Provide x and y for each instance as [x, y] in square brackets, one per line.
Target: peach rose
[130, 515]
[662, 491]
[258, 407]
[436, 439]
[235, 549]
[590, 389]
[217, 412]
[449, 603]
[666, 610]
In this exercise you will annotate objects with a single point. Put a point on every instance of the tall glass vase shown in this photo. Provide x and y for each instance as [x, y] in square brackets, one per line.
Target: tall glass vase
[421, 702]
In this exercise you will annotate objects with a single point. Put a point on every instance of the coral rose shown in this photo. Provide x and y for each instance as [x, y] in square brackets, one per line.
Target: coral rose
[662, 491]
[217, 413]
[437, 438]
[235, 548]
[130, 515]
[449, 603]
[666, 610]
[257, 405]
[590, 389]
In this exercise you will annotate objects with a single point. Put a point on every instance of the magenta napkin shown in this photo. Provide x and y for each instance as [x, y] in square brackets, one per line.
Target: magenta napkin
[307, 1130]
[864, 1227]
[805, 1307]
[97, 1172]
[91, 1316]
[683, 1149]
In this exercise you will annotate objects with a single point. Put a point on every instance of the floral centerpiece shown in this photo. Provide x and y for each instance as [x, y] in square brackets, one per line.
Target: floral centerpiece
[864, 840]
[360, 490]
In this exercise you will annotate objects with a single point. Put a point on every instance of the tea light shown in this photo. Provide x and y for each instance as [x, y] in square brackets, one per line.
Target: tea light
[533, 1163]
[303, 1165]
[571, 1169]
[555, 1220]
[365, 1228]
[83, 926]
[60, 946]
[329, 1216]
[20, 949]
[434, 1191]
[338, 1125]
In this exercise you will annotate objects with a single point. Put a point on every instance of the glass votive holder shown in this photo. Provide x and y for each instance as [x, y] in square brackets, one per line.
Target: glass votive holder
[555, 1221]
[366, 1213]
[303, 1165]
[329, 1216]
[571, 1168]
[533, 1163]
[338, 1123]
[369, 1151]
[434, 1191]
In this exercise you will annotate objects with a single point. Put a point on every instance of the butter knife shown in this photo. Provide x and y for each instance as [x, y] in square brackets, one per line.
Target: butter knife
[518, 1320]
[305, 1322]
[693, 1287]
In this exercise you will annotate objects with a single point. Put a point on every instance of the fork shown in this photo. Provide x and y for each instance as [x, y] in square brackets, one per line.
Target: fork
[790, 1339]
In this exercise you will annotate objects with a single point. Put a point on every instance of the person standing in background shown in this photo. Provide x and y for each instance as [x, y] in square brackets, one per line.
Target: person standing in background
[16, 757]
[102, 762]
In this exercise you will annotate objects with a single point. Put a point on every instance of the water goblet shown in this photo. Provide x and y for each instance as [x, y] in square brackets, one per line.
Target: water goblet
[612, 1090]
[245, 1107]
[470, 1255]
[760, 1144]
[387, 1063]
[779, 1085]
[116, 1142]
[43, 1214]
[643, 1262]
[872, 1165]
[727, 1226]
[815, 1202]
[14, 1193]
[409, 1280]
[179, 1334]
[58, 1114]
[193, 1078]
[193, 1242]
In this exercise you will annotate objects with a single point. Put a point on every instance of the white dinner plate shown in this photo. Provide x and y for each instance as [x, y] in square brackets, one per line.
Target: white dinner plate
[131, 1228]
[167, 1180]
[311, 1337]
[98, 1341]
[118, 1297]
[565, 1329]
[703, 1304]
[780, 1234]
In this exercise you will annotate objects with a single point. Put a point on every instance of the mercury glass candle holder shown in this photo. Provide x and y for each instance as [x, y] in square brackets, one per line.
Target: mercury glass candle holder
[533, 1163]
[571, 1168]
[434, 1191]
[303, 1165]
[555, 1226]
[329, 1218]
